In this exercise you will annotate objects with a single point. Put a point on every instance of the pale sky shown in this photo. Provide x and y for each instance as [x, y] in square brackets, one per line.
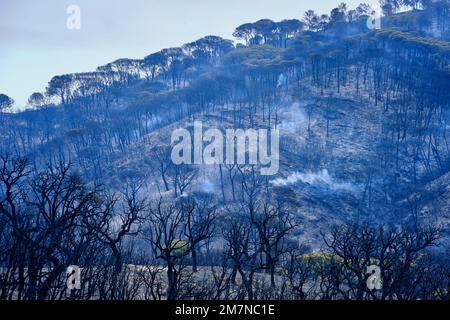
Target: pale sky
[35, 43]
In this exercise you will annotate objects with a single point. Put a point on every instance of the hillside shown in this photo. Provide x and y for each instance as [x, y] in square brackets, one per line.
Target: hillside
[364, 121]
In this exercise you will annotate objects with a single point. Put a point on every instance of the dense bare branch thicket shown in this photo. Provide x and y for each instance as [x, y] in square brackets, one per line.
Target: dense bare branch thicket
[130, 247]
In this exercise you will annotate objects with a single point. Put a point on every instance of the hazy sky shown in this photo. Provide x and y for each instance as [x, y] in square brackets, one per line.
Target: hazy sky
[35, 43]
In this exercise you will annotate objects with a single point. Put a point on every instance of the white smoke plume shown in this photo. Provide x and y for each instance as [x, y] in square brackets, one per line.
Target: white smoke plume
[321, 178]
